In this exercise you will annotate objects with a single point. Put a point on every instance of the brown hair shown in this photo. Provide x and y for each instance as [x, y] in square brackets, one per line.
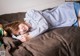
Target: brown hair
[13, 26]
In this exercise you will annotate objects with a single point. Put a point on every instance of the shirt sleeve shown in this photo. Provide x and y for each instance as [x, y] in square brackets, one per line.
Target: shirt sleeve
[37, 21]
[77, 8]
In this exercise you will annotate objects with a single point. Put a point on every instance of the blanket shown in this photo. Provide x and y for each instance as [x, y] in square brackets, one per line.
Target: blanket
[58, 42]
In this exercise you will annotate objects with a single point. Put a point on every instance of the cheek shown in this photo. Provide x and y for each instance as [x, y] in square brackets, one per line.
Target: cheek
[21, 31]
[20, 28]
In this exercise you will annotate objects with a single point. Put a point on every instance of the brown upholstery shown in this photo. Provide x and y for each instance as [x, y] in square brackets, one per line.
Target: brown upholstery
[7, 18]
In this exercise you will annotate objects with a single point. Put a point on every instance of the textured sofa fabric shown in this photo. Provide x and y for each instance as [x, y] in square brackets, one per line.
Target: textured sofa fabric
[58, 42]
[7, 18]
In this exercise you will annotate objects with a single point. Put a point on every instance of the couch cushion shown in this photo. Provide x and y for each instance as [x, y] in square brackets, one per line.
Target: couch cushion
[7, 18]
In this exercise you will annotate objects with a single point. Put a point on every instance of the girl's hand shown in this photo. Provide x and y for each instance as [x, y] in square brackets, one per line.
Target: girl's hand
[24, 38]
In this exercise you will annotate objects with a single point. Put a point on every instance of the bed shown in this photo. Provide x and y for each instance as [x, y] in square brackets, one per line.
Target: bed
[63, 41]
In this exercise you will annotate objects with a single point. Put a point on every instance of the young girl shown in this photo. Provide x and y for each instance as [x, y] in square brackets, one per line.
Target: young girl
[37, 22]
[18, 28]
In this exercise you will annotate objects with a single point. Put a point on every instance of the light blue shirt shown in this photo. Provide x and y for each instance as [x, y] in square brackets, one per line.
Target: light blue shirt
[61, 16]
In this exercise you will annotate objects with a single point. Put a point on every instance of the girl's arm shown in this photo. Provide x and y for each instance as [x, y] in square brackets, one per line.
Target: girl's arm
[37, 21]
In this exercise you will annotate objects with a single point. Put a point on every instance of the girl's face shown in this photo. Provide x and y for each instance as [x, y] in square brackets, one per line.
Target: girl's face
[23, 28]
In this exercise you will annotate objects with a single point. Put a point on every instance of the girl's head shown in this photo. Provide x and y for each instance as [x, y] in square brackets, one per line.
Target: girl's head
[17, 28]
